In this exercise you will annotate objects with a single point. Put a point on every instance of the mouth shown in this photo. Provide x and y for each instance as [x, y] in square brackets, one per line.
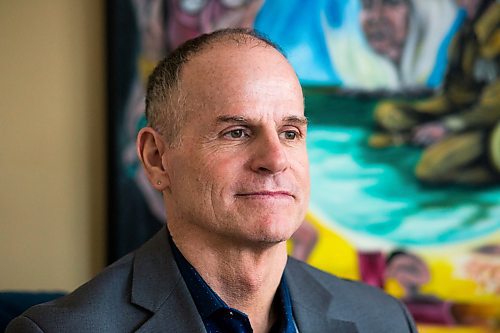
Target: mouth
[266, 195]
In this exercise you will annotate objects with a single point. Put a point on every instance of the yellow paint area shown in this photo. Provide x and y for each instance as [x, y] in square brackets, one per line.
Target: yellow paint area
[335, 254]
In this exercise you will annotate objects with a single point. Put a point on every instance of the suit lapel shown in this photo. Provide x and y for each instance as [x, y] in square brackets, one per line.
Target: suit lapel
[311, 303]
[177, 314]
[157, 286]
[309, 321]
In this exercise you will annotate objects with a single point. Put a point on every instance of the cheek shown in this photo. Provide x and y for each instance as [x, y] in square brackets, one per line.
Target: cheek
[300, 156]
[219, 172]
[363, 19]
[399, 20]
[301, 169]
[186, 170]
[365, 23]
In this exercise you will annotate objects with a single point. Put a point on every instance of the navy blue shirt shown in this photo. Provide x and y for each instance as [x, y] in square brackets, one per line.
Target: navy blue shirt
[217, 316]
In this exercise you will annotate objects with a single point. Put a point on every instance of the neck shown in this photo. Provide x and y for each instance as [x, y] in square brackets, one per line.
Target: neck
[245, 276]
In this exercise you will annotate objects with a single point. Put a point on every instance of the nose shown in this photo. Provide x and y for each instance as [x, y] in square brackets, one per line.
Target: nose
[269, 155]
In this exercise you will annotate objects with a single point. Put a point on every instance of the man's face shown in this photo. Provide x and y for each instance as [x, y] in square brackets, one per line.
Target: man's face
[241, 171]
[385, 25]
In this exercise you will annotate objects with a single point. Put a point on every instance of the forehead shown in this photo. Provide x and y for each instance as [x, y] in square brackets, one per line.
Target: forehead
[229, 65]
[240, 77]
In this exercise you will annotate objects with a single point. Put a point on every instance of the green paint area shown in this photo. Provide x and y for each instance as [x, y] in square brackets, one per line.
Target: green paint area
[373, 192]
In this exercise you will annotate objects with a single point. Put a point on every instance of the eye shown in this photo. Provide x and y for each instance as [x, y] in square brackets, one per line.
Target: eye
[289, 135]
[236, 134]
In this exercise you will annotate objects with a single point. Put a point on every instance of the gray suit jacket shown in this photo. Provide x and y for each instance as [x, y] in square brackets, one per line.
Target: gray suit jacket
[144, 292]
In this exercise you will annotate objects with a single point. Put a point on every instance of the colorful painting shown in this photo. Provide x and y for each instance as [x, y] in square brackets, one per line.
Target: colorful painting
[371, 218]
[404, 139]
[364, 45]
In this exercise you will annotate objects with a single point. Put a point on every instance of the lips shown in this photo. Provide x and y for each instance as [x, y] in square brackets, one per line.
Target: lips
[266, 194]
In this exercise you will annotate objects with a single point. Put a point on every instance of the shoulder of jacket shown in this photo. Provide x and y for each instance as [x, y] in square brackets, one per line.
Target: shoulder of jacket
[341, 287]
[107, 292]
[23, 324]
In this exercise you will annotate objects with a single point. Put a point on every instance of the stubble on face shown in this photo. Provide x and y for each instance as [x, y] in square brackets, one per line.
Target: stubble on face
[238, 174]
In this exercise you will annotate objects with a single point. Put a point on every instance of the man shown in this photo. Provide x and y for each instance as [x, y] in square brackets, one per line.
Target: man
[226, 147]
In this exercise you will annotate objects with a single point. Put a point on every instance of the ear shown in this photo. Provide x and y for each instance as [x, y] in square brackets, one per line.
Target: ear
[150, 149]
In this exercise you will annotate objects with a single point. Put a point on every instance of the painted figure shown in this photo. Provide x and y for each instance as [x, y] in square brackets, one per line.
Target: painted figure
[385, 26]
[190, 18]
[459, 127]
[390, 44]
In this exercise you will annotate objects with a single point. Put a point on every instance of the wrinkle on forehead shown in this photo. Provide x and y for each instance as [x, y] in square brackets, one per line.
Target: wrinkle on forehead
[228, 66]
[240, 76]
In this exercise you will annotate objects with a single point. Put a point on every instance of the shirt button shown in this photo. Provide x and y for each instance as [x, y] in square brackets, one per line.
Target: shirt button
[230, 313]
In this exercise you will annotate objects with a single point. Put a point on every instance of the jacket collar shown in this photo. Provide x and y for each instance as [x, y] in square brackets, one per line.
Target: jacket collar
[157, 286]
[312, 302]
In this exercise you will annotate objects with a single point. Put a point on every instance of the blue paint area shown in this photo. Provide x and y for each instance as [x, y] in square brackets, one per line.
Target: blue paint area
[439, 71]
[334, 11]
[374, 191]
[296, 27]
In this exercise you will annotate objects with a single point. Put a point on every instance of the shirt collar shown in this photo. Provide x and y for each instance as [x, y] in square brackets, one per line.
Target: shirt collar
[285, 322]
[208, 302]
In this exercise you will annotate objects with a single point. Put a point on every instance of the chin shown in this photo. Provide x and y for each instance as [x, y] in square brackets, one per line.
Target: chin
[270, 225]
[279, 238]
[276, 231]
[268, 240]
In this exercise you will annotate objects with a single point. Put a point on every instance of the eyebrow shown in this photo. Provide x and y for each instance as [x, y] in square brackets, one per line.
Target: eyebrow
[232, 119]
[242, 120]
[296, 120]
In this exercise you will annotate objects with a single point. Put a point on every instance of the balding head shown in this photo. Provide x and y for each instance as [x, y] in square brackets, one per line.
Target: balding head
[228, 143]
[164, 99]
